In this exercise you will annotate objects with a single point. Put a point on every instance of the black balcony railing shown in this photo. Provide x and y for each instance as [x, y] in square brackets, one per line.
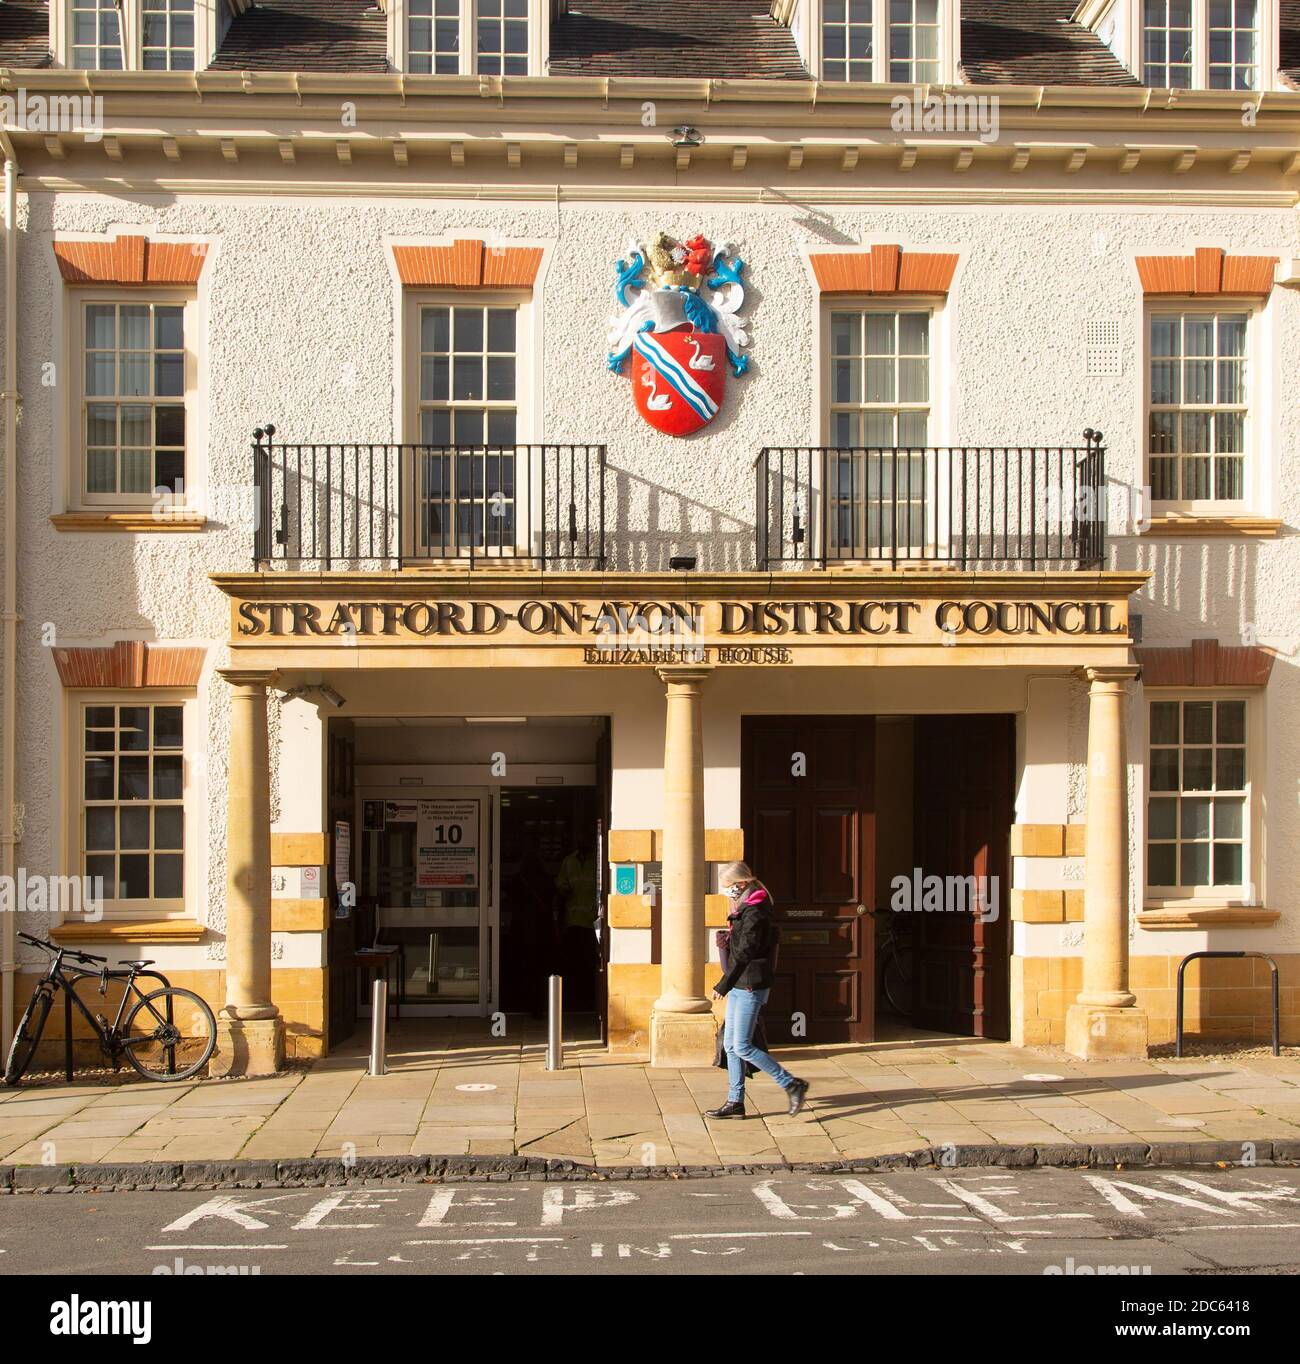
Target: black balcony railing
[366, 505]
[1017, 507]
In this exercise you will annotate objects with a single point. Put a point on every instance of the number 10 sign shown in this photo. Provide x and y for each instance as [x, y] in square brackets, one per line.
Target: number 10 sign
[447, 844]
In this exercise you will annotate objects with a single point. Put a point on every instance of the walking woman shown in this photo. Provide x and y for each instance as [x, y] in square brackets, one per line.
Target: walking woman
[745, 986]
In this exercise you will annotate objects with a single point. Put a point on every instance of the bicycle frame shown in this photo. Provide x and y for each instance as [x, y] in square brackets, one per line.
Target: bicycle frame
[58, 978]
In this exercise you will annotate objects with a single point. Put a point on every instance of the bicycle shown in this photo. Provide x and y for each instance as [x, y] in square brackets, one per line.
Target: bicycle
[149, 1037]
[894, 963]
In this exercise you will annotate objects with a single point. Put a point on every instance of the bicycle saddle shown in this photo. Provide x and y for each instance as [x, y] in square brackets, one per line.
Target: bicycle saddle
[139, 965]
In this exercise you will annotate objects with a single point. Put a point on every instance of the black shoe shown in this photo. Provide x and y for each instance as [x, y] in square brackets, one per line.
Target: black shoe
[798, 1092]
[728, 1110]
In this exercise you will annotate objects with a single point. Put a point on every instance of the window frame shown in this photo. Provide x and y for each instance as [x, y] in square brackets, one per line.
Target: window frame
[947, 57]
[1266, 45]
[526, 349]
[139, 36]
[399, 38]
[206, 27]
[1254, 417]
[193, 801]
[79, 298]
[1250, 892]
[935, 518]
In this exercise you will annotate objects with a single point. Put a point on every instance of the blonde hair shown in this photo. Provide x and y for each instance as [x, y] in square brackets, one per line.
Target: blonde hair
[734, 872]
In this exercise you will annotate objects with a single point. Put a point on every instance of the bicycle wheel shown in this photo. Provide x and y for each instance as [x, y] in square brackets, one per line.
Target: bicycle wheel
[28, 1036]
[897, 981]
[169, 1035]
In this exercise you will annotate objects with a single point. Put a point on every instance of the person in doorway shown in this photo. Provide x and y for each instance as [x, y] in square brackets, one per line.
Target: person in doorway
[576, 883]
[745, 984]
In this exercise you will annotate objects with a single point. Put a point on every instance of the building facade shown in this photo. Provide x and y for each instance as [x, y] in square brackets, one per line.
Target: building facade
[474, 468]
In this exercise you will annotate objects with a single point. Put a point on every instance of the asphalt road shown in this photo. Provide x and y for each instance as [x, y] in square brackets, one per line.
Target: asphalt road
[924, 1223]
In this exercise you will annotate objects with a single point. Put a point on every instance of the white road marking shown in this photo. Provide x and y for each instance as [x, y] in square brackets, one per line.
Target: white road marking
[230, 1207]
[1245, 1201]
[250, 1245]
[995, 1214]
[1109, 1189]
[554, 1206]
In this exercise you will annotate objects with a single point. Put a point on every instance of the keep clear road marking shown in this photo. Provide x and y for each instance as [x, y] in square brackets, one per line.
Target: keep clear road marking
[948, 1209]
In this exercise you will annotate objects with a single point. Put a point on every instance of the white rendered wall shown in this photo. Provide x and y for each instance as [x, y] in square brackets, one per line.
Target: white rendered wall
[302, 315]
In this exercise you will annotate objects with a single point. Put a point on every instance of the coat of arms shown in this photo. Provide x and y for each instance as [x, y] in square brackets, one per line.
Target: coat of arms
[679, 338]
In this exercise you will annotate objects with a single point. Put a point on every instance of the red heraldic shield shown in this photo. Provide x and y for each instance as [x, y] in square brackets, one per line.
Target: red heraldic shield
[679, 379]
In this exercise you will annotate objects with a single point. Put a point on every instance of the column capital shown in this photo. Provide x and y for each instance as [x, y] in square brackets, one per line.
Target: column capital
[684, 674]
[249, 677]
[1119, 676]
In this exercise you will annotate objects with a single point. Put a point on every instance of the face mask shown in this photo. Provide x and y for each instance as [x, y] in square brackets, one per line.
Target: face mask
[736, 891]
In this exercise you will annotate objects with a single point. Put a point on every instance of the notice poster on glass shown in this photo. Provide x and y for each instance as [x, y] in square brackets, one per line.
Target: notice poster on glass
[446, 843]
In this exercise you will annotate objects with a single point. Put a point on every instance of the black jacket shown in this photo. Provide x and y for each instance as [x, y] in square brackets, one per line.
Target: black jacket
[751, 949]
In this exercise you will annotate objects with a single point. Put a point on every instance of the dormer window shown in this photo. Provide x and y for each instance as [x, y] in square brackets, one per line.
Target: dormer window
[897, 41]
[1200, 44]
[468, 37]
[134, 35]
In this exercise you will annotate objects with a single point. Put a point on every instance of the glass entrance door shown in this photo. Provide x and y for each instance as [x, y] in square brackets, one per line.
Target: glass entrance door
[426, 871]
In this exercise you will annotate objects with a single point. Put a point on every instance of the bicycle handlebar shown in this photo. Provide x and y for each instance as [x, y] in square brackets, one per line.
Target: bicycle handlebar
[53, 947]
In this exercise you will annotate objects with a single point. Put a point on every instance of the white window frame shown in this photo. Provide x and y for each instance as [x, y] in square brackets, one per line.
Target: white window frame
[415, 300]
[538, 37]
[208, 28]
[192, 798]
[1251, 891]
[1266, 45]
[78, 298]
[1251, 481]
[139, 36]
[935, 305]
[949, 41]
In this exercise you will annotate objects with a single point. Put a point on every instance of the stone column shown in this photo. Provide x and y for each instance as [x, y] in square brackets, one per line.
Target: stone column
[681, 1022]
[1105, 1022]
[250, 1031]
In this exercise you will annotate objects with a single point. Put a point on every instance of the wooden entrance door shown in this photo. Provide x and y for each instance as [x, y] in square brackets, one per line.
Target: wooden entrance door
[963, 813]
[807, 810]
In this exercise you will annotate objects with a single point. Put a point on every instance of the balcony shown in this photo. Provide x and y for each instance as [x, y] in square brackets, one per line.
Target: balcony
[1013, 508]
[367, 505]
[359, 505]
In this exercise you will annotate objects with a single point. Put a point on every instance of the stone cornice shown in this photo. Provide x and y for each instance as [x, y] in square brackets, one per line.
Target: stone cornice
[559, 100]
[415, 584]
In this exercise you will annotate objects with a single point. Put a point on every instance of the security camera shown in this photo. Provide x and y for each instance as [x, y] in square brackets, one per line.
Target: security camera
[332, 697]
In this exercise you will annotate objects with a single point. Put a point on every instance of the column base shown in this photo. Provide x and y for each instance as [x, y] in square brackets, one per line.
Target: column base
[248, 1046]
[1094, 1032]
[682, 1041]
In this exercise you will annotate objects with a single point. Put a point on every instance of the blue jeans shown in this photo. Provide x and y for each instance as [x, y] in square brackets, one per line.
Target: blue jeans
[738, 1042]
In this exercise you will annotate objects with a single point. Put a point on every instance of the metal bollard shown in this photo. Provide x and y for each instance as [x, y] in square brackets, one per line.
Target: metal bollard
[555, 1024]
[378, 1026]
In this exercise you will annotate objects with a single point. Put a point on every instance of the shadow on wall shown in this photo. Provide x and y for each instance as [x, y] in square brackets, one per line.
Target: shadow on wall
[1210, 586]
[669, 524]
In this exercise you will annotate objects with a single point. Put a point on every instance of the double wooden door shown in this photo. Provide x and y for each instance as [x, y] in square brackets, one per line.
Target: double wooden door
[808, 804]
[807, 809]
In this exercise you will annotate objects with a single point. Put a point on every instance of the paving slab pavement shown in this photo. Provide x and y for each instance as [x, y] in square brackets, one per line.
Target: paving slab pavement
[453, 1090]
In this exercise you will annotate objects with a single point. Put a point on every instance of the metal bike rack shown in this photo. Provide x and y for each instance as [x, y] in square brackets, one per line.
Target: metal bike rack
[69, 1068]
[555, 1024]
[1192, 956]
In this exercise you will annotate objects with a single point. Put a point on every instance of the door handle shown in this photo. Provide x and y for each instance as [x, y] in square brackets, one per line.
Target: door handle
[862, 909]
